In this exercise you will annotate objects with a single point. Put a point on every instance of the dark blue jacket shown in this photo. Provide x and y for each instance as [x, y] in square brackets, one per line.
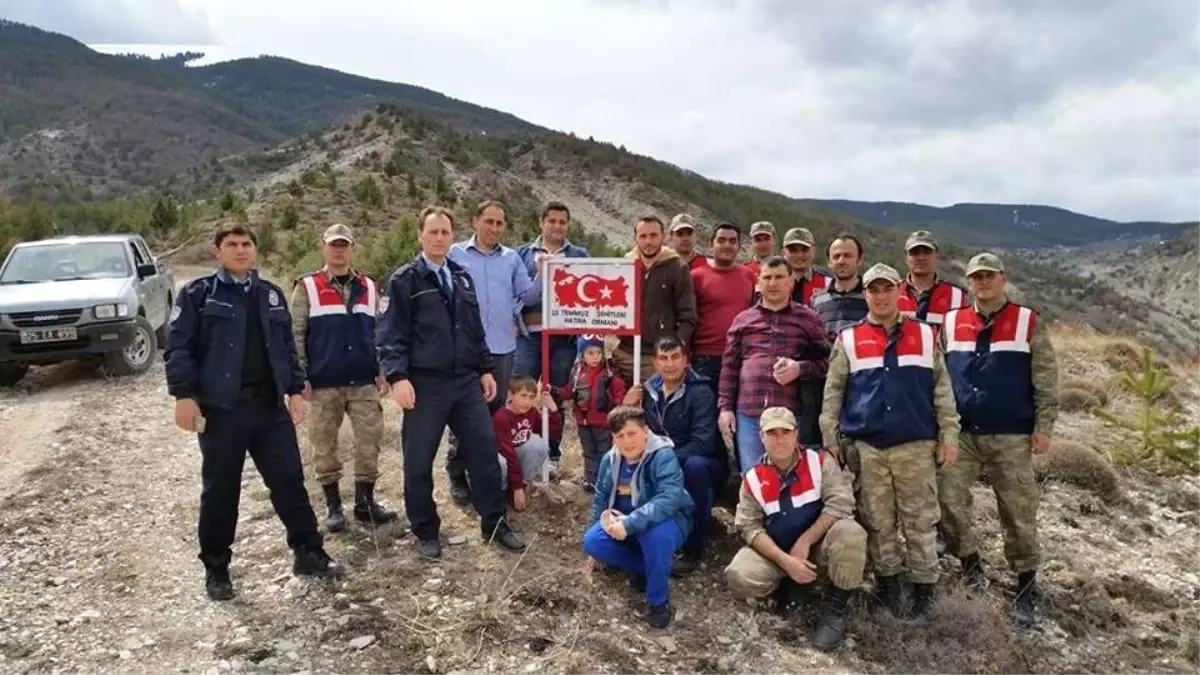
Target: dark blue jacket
[890, 389]
[340, 339]
[991, 367]
[206, 342]
[422, 331]
[688, 416]
[533, 312]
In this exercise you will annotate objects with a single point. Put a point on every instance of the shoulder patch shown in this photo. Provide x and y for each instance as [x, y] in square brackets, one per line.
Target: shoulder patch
[384, 303]
[273, 298]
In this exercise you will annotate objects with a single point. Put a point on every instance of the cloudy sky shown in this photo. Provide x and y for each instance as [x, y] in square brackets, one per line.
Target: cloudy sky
[1092, 105]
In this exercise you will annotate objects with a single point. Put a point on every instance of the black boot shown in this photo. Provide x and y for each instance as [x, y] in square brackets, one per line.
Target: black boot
[315, 562]
[335, 518]
[1025, 606]
[217, 583]
[506, 538]
[685, 564]
[888, 590]
[460, 489]
[832, 625]
[366, 509]
[972, 570]
[922, 599]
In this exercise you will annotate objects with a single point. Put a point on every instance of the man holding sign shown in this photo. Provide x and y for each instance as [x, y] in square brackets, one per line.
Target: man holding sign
[668, 304]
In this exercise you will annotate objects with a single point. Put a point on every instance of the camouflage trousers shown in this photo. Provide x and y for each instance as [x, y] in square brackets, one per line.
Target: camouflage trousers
[899, 495]
[329, 407]
[1008, 463]
[840, 558]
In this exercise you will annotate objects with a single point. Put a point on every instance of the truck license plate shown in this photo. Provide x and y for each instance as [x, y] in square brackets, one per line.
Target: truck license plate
[48, 335]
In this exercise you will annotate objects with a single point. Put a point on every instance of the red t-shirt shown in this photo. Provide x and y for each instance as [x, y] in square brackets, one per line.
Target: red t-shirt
[513, 430]
[721, 294]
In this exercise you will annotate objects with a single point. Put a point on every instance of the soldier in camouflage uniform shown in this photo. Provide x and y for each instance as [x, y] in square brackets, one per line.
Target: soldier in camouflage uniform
[888, 395]
[796, 514]
[1002, 365]
[334, 311]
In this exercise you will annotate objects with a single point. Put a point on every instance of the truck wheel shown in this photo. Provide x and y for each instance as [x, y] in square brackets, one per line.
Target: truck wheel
[161, 334]
[11, 373]
[138, 355]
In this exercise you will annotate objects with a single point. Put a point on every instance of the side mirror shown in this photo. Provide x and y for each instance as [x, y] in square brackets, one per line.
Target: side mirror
[147, 270]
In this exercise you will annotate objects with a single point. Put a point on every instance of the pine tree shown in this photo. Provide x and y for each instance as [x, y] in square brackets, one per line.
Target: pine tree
[1157, 432]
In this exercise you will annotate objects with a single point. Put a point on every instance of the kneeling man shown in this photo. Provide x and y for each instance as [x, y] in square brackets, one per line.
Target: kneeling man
[796, 513]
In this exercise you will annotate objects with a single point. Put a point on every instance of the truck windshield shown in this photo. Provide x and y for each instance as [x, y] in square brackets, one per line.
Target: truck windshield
[62, 262]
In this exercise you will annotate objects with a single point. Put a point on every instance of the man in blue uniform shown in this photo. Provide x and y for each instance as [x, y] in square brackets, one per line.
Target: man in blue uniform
[433, 352]
[230, 361]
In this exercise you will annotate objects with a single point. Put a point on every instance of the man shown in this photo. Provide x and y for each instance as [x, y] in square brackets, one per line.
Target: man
[796, 514]
[770, 347]
[333, 325]
[798, 244]
[888, 392]
[502, 287]
[668, 303]
[1003, 368]
[554, 222]
[762, 234]
[683, 240]
[924, 296]
[680, 405]
[434, 353]
[723, 290]
[230, 361]
[842, 304]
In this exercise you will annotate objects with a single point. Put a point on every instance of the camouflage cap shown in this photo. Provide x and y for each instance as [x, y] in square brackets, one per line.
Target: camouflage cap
[762, 227]
[777, 418]
[880, 271]
[682, 222]
[799, 235]
[985, 262]
[338, 231]
[920, 238]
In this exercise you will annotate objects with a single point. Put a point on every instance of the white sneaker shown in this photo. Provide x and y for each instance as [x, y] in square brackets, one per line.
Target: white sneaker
[553, 465]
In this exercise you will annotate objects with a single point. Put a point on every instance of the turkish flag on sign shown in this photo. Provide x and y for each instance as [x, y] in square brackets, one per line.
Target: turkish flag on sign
[588, 290]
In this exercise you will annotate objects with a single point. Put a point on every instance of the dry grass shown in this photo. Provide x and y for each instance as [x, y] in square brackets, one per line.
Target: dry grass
[1079, 465]
[1101, 390]
[1071, 399]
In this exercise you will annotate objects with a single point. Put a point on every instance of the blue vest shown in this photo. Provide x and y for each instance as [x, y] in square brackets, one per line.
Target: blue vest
[341, 332]
[792, 503]
[889, 393]
[990, 364]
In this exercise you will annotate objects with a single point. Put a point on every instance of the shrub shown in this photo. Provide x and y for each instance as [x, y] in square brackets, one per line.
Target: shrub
[1157, 433]
[1071, 399]
[1099, 390]
[1079, 465]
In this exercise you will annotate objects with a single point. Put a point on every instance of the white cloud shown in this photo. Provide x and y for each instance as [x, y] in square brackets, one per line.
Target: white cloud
[1093, 106]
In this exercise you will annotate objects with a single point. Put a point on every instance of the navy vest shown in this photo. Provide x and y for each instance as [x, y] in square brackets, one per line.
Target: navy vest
[341, 332]
[990, 363]
[792, 503]
[889, 393]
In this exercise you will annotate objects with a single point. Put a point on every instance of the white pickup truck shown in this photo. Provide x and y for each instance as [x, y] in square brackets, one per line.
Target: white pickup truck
[102, 297]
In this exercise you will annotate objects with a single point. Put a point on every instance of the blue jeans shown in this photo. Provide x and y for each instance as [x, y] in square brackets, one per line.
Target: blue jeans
[702, 477]
[648, 554]
[749, 443]
[527, 360]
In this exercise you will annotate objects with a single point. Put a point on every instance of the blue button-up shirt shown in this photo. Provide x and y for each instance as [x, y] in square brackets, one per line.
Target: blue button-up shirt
[502, 285]
[227, 278]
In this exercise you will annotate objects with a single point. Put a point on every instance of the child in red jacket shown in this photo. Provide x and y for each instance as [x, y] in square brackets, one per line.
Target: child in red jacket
[522, 450]
[595, 388]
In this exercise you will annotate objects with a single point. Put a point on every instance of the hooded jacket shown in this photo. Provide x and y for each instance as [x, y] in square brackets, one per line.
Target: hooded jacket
[658, 491]
[668, 302]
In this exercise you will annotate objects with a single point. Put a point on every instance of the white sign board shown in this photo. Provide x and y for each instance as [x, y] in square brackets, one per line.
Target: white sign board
[591, 295]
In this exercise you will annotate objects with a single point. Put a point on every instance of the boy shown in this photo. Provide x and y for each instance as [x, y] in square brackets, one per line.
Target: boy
[521, 450]
[595, 387]
[641, 512]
